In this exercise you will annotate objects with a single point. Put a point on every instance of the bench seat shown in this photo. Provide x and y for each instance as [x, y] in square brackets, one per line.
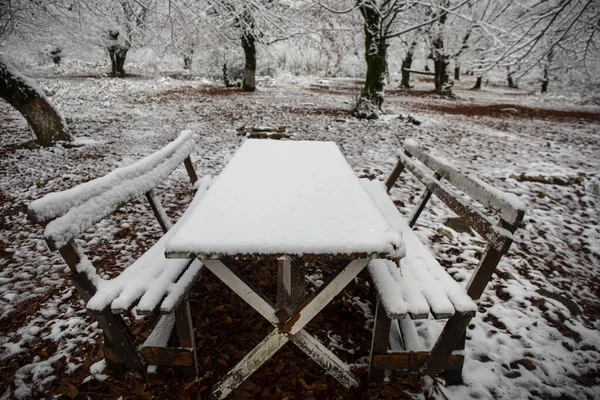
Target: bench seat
[421, 285]
[152, 281]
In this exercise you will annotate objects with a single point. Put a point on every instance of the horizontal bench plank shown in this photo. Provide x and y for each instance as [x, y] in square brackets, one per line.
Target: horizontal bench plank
[510, 207]
[413, 361]
[56, 204]
[172, 356]
[86, 214]
[495, 235]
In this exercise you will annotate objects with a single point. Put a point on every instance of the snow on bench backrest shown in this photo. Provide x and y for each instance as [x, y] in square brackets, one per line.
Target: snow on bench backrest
[510, 207]
[79, 208]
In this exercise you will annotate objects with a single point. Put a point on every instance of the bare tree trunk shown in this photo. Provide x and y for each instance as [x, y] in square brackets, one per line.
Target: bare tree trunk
[249, 45]
[406, 66]
[45, 122]
[371, 97]
[440, 58]
[478, 83]
[118, 55]
[457, 73]
[511, 82]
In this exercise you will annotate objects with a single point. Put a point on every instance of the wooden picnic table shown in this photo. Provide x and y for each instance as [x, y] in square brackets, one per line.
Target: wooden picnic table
[291, 201]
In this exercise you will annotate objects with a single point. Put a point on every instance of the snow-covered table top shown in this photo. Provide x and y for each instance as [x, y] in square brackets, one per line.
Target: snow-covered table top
[278, 198]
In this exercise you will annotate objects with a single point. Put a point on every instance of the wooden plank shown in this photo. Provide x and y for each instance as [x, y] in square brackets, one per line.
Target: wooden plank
[326, 359]
[117, 335]
[414, 71]
[396, 343]
[159, 212]
[189, 167]
[413, 361]
[185, 334]
[182, 288]
[418, 209]
[393, 176]
[171, 356]
[243, 288]
[159, 337]
[410, 337]
[487, 265]
[479, 222]
[474, 189]
[448, 341]
[291, 287]
[250, 363]
[379, 341]
[323, 296]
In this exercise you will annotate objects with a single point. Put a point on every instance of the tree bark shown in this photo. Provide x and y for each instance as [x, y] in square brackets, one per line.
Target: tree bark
[440, 58]
[21, 93]
[375, 56]
[407, 65]
[511, 82]
[457, 73]
[118, 54]
[478, 83]
[249, 45]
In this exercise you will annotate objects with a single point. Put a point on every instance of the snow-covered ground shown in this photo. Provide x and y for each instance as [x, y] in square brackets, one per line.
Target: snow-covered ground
[537, 333]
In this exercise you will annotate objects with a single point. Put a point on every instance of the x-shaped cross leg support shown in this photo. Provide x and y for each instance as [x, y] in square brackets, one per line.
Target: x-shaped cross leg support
[292, 329]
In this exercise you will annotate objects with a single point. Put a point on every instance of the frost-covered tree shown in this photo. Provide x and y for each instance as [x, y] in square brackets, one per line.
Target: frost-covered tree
[254, 23]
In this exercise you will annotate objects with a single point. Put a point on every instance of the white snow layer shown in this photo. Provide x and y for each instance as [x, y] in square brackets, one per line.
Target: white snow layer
[152, 276]
[287, 197]
[81, 207]
[421, 282]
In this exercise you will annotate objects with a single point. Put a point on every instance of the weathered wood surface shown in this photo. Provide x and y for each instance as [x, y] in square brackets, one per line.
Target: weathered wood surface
[475, 218]
[160, 214]
[407, 352]
[472, 188]
[282, 332]
[173, 356]
[120, 347]
[379, 341]
[185, 334]
[413, 361]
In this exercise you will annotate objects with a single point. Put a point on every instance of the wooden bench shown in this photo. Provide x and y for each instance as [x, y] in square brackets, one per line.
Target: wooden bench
[152, 284]
[422, 312]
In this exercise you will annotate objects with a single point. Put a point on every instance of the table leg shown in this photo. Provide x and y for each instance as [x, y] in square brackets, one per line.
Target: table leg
[253, 360]
[292, 329]
[291, 287]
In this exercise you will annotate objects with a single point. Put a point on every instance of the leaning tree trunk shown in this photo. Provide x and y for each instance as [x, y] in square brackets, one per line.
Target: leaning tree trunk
[249, 45]
[371, 97]
[24, 95]
[407, 65]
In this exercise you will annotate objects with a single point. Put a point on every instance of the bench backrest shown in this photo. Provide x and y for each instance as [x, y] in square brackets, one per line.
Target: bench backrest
[444, 181]
[68, 213]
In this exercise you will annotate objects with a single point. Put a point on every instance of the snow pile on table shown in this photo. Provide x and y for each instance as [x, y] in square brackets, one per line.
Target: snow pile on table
[287, 197]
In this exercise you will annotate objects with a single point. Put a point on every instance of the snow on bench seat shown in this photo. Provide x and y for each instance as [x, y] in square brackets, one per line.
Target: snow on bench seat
[421, 285]
[152, 279]
[78, 209]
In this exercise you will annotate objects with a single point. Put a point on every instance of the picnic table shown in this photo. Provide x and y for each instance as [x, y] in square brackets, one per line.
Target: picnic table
[291, 202]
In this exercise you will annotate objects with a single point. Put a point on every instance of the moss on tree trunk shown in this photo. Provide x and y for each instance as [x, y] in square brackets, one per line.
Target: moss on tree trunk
[375, 56]
[45, 122]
